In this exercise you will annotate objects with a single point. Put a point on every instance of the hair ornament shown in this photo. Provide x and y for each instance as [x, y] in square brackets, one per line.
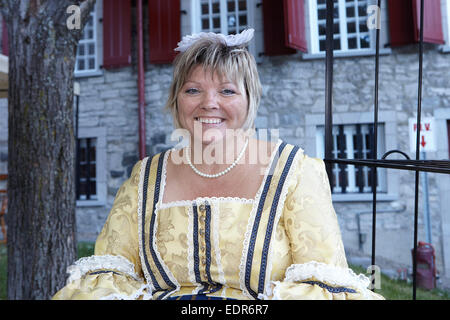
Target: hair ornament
[231, 40]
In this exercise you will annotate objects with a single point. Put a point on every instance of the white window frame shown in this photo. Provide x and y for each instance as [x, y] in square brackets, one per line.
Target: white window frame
[100, 161]
[97, 15]
[311, 13]
[445, 48]
[313, 145]
[349, 131]
[251, 8]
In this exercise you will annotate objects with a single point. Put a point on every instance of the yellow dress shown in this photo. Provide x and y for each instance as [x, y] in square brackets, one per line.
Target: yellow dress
[283, 244]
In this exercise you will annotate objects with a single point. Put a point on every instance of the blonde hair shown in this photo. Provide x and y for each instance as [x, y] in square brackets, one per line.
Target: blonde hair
[234, 63]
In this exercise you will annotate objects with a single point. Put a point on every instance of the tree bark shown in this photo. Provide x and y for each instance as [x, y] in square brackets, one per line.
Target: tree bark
[41, 190]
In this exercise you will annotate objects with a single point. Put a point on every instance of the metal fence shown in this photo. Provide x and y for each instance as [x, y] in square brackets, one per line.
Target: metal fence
[417, 165]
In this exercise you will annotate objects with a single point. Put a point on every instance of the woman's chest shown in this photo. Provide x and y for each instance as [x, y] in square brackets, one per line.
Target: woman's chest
[218, 240]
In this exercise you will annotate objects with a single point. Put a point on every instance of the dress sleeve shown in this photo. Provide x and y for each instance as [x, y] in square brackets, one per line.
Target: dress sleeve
[319, 269]
[114, 271]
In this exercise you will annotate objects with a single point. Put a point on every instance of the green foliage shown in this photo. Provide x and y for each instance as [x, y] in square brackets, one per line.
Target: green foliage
[392, 289]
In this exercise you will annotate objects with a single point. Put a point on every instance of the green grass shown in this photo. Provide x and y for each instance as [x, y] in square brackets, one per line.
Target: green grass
[390, 289]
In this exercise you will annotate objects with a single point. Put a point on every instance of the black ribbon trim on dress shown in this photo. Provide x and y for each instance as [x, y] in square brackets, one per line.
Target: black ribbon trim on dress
[152, 223]
[330, 288]
[251, 246]
[144, 205]
[270, 224]
[104, 271]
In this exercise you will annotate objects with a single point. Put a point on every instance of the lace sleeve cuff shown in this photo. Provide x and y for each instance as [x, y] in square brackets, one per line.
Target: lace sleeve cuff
[332, 278]
[104, 263]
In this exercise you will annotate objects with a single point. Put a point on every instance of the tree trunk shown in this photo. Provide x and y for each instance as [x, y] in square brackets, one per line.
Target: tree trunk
[41, 190]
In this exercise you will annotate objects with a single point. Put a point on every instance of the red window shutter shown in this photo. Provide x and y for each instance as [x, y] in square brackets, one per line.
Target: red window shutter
[400, 22]
[274, 29]
[5, 45]
[404, 22]
[294, 14]
[116, 33]
[164, 30]
[432, 21]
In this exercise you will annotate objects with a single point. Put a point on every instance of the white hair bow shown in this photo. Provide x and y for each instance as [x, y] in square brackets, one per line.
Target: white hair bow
[231, 40]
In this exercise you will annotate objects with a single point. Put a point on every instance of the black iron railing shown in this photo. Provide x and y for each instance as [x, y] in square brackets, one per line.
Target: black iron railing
[417, 165]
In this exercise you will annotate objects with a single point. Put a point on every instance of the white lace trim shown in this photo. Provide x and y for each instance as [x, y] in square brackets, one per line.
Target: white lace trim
[190, 244]
[328, 274]
[185, 203]
[134, 296]
[140, 198]
[215, 233]
[103, 262]
[250, 223]
[288, 182]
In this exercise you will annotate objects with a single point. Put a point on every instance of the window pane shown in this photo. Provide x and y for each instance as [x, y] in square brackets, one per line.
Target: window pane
[242, 5]
[230, 6]
[205, 8]
[322, 14]
[81, 49]
[91, 47]
[216, 22]
[231, 21]
[363, 26]
[92, 172]
[350, 12]
[93, 186]
[351, 27]
[362, 9]
[81, 65]
[216, 7]
[365, 41]
[352, 43]
[242, 20]
[82, 190]
[205, 24]
[83, 171]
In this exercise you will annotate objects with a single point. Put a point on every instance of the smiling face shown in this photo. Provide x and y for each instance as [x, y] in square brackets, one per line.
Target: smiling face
[212, 103]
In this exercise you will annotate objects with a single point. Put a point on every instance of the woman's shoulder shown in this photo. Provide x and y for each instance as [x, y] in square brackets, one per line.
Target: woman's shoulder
[302, 160]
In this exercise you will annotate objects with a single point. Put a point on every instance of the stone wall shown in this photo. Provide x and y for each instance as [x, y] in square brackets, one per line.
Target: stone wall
[293, 93]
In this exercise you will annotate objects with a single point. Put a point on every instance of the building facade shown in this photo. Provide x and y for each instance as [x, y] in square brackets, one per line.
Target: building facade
[289, 48]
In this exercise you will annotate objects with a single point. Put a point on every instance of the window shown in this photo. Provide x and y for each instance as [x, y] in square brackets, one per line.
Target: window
[90, 179]
[224, 16]
[87, 61]
[446, 27]
[350, 31]
[353, 142]
[86, 187]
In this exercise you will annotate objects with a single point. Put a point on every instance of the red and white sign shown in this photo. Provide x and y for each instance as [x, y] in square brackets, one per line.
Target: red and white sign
[427, 139]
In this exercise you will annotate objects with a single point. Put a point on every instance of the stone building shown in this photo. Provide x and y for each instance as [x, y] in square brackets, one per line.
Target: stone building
[292, 73]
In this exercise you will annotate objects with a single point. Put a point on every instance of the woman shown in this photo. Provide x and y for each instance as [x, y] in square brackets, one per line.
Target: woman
[208, 221]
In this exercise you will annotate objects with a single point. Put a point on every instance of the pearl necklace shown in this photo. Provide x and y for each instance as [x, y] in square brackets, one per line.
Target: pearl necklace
[206, 175]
